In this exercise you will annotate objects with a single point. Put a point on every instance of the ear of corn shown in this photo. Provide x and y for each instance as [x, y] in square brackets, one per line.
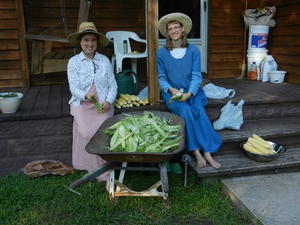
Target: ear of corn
[177, 96]
[257, 145]
[261, 141]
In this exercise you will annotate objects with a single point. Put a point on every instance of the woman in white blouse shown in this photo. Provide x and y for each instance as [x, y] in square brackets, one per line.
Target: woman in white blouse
[91, 79]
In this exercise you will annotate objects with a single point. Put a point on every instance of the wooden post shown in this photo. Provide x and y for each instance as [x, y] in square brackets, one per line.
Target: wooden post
[84, 9]
[22, 40]
[152, 46]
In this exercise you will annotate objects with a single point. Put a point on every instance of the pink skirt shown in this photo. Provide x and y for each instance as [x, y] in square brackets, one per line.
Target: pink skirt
[86, 123]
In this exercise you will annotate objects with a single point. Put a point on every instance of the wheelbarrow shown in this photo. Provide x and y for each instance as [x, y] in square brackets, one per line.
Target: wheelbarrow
[99, 143]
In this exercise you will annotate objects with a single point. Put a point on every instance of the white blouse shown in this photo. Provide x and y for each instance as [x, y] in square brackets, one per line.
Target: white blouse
[178, 53]
[83, 72]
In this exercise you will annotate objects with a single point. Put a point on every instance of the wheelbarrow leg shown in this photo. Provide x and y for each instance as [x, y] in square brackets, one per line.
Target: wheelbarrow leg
[92, 174]
[113, 198]
[164, 184]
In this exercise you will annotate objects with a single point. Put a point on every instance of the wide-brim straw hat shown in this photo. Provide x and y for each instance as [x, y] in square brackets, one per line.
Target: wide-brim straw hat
[179, 17]
[87, 28]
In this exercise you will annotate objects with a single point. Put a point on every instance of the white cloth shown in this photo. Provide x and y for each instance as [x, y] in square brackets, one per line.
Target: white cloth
[178, 53]
[83, 72]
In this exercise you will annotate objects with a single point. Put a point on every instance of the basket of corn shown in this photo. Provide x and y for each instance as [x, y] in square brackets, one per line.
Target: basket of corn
[140, 136]
[260, 150]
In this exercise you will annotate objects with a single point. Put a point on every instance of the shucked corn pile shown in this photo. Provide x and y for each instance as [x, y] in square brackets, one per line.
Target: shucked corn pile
[126, 100]
[143, 133]
[258, 145]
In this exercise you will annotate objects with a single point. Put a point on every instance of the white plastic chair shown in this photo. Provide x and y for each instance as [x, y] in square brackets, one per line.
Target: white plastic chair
[118, 38]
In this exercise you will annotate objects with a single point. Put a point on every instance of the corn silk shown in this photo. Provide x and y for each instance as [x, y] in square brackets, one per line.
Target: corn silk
[143, 133]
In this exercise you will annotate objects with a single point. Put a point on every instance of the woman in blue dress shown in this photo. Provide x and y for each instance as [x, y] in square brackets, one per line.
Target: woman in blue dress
[178, 65]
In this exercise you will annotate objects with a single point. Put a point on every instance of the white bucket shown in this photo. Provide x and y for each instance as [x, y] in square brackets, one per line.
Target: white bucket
[258, 36]
[10, 104]
[256, 55]
[277, 76]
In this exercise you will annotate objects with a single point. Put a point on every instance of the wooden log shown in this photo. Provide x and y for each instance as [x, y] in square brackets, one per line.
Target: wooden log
[9, 34]
[37, 57]
[22, 42]
[152, 38]
[54, 65]
[10, 74]
[43, 37]
[83, 12]
[7, 14]
[9, 44]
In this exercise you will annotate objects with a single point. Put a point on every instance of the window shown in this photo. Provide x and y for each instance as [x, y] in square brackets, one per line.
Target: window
[197, 10]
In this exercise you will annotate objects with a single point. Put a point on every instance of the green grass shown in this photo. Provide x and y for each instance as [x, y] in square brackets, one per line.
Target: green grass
[45, 200]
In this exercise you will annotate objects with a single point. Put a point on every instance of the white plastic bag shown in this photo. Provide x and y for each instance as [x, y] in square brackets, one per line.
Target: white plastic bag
[231, 116]
[143, 93]
[268, 64]
[260, 16]
[217, 92]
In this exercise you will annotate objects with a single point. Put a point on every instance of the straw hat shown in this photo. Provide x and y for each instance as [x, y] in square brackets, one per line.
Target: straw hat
[87, 28]
[179, 17]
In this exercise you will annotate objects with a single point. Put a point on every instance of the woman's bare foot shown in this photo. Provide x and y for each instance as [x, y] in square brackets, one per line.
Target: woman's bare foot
[199, 159]
[211, 161]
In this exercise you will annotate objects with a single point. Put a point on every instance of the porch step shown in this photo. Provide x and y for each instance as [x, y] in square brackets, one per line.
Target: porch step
[235, 163]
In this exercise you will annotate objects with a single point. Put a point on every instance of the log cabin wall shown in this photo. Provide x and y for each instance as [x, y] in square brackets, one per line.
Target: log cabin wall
[284, 38]
[13, 55]
[225, 37]
[59, 18]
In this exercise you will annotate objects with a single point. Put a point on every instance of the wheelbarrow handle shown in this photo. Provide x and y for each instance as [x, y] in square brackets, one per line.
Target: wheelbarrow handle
[93, 174]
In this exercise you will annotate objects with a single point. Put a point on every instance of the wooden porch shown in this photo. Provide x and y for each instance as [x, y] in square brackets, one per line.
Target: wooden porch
[42, 128]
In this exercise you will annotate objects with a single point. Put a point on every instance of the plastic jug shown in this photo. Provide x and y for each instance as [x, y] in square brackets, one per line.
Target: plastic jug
[252, 73]
[127, 82]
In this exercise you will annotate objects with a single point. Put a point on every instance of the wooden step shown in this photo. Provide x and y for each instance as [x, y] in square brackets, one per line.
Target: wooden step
[236, 163]
[272, 129]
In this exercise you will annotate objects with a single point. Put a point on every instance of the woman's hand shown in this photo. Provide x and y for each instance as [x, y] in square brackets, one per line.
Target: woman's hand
[185, 96]
[173, 91]
[90, 98]
[106, 106]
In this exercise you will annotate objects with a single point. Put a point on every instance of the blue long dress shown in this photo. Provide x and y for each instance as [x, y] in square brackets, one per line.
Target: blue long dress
[185, 73]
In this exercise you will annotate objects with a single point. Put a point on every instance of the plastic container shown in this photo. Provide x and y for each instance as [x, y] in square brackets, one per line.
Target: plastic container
[10, 101]
[256, 55]
[252, 73]
[258, 36]
[127, 82]
[277, 76]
